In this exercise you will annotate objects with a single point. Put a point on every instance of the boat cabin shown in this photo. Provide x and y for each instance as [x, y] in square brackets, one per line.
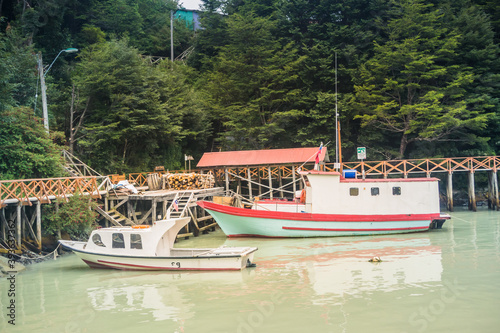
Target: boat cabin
[328, 192]
[141, 240]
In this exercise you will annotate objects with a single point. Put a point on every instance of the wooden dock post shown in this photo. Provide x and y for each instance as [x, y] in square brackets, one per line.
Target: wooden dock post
[39, 225]
[260, 182]
[227, 180]
[495, 190]
[472, 192]
[153, 207]
[270, 182]
[249, 176]
[449, 192]
[3, 222]
[281, 182]
[293, 181]
[490, 190]
[18, 226]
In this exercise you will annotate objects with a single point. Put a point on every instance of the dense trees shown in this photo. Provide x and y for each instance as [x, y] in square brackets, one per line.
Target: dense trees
[415, 78]
[412, 88]
[27, 151]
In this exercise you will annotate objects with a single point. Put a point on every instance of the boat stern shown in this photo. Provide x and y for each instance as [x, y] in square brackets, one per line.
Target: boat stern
[437, 223]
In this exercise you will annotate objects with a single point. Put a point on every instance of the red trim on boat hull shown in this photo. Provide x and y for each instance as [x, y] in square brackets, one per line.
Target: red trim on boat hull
[359, 230]
[254, 213]
[95, 265]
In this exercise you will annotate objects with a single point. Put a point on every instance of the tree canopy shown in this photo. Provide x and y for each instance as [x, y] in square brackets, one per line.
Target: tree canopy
[414, 79]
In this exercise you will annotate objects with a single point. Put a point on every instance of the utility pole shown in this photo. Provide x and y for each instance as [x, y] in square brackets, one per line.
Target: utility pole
[172, 36]
[44, 93]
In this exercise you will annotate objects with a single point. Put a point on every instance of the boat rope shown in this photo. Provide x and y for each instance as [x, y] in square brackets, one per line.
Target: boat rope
[38, 256]
[458, 218]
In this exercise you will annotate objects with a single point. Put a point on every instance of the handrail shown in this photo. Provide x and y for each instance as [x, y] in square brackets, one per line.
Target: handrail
[25, 191]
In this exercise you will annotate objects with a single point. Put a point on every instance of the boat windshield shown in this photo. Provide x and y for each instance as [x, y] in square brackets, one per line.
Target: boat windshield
[135, 241]
[97, 240]
[118, 242]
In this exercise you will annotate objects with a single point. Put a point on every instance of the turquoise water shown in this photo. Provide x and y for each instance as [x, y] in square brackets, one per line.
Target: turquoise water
[440, 281]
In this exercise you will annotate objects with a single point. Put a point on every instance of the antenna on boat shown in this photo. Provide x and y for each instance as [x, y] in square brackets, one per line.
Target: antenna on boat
[336, 120]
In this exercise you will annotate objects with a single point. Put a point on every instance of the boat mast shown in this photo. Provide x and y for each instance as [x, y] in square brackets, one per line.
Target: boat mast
[336, 120]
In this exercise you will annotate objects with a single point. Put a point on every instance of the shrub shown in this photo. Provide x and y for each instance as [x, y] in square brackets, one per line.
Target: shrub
[77, 217]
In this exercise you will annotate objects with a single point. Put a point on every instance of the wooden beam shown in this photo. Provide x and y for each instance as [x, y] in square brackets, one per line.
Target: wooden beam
[249, 175]
[270, 182]
[107, 216]
[227, 180]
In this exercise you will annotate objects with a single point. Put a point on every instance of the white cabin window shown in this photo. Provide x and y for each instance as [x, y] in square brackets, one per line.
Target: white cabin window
[97, 240]
[118, 242]
[354, 191]
[396, 190]
[135, 241]
[375, 191]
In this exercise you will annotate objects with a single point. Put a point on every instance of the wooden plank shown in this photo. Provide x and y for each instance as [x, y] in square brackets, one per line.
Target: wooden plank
[107, 216]
[208, 226]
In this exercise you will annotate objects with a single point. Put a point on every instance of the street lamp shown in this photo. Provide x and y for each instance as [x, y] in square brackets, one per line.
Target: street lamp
[42, 83]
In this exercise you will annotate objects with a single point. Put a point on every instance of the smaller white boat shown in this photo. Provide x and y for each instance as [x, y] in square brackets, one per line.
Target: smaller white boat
[145, 247]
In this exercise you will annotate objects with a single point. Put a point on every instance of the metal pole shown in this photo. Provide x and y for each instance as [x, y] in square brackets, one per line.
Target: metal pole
[336, 117]
[44, 93]
[172, 36]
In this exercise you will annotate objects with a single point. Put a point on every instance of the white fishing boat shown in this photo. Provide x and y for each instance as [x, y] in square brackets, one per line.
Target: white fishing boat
[145, 247]
[333, 205]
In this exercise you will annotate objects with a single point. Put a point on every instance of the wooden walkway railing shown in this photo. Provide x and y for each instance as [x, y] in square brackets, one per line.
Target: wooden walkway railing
[45, 190]
[25, 191]
[401, 168]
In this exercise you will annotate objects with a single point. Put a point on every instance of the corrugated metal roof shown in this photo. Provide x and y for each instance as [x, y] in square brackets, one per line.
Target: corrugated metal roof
[262, 157]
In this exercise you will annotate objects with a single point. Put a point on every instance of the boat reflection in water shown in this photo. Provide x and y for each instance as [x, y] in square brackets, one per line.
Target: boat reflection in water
[336, 266]
[158, 296]
[404, 262]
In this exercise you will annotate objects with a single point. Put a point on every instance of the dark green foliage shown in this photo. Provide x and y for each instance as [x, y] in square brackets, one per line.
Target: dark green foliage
[18, 73]
[138, 114]
[415, 78]
[411, 88]
[255, 85]
[26, 152]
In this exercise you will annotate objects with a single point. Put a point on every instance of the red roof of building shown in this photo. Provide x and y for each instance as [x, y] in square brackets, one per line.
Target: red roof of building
[262, 157]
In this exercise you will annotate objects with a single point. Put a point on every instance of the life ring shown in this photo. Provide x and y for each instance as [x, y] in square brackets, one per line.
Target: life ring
[142, 226]
[303, 196]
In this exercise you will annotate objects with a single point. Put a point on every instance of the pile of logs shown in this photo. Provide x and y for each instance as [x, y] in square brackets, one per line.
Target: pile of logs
[188, 181]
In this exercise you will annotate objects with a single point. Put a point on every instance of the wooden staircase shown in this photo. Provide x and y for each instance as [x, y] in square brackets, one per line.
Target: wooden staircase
[179, 206]
[115, 217]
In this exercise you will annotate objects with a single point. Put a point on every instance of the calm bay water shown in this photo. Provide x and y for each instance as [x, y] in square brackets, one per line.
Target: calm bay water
[441, 281]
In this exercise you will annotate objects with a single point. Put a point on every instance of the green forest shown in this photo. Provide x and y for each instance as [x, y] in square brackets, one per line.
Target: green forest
[408, 78]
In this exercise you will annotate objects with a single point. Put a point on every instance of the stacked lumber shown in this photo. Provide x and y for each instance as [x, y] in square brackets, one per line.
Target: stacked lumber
[188, 181]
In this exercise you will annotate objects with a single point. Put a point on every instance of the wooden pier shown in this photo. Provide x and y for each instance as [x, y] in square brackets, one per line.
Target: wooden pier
[272, 177]
[21, 200]
[21, 206]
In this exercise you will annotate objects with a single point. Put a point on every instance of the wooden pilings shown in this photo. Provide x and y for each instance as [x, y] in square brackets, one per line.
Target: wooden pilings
[449, 192]
[492, 194]
[472, 193]
[21, 225]
[493, 202]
